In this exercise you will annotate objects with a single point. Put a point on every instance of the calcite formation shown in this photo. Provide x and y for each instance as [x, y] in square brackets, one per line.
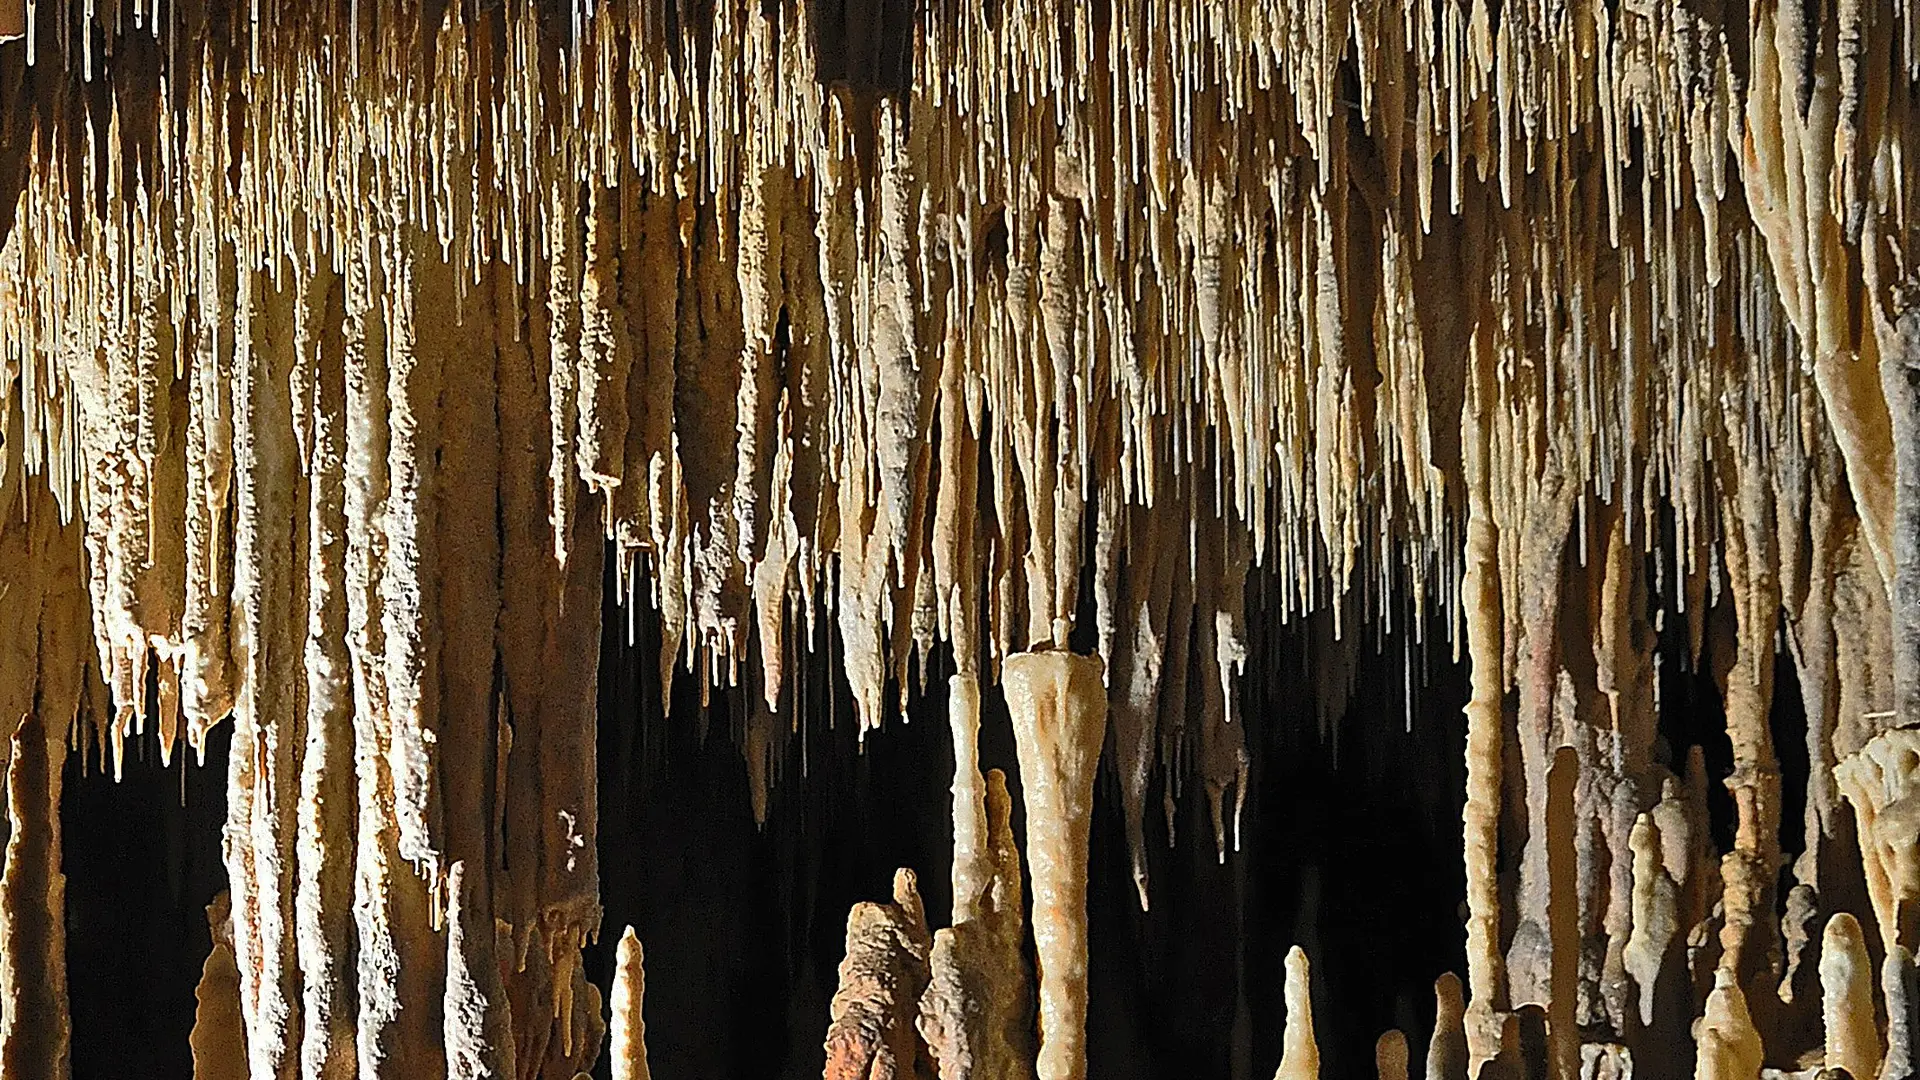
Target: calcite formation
[350, 351]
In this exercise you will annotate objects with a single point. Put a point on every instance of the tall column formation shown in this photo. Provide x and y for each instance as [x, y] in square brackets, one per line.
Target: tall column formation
[1059, 709]
[47, 679]
[348, 349]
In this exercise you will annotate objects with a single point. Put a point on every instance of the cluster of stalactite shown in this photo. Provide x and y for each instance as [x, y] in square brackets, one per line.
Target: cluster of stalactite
[340, 343]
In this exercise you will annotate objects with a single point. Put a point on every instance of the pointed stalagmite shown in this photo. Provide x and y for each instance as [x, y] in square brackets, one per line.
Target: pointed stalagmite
[1654, 918]
[1728, 1046]
[219, 1037]
[629, 1028]
[477, 1032]
[1300, 1054]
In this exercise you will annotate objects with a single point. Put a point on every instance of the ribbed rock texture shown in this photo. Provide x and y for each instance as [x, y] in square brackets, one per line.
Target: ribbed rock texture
[342, 343]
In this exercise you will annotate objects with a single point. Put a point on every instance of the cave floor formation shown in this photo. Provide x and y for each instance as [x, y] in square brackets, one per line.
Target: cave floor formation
[933, 541]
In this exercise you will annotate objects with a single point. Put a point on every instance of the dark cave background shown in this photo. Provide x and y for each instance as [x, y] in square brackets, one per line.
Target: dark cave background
[1353, 854]
[1350, 848]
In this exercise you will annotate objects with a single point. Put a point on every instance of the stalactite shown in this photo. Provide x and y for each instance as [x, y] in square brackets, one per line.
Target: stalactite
[1900, 382]
[1748, 872]
[1882, 781]
[1139, 656]
[263, 778]
[42, 685]
[323, 900]
[349, 351]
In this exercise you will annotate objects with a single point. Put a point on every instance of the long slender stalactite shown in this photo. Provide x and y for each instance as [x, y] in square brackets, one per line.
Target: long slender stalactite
[352, 352]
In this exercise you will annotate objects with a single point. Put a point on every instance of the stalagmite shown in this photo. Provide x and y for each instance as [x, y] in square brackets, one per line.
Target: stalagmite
[973, 866]
[1390, 1056]
[1655, 920]
[1300, 1058]
[1900, 991]
[976, 1015]
[1447, 1050]
[477, 1030]
[1846, 998]
[34, 1029]
[872, 1033]
[1486, 982]
[629, 1049]
[1728, 1046]
[219, 1037]
[1059, 712]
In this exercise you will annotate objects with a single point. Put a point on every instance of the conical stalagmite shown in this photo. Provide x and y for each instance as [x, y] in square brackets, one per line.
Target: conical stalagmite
[1728, 1047]
[219, 1037]
[478, 1032]
[629, 1028]
[1300, 1053]
[1655, 921]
